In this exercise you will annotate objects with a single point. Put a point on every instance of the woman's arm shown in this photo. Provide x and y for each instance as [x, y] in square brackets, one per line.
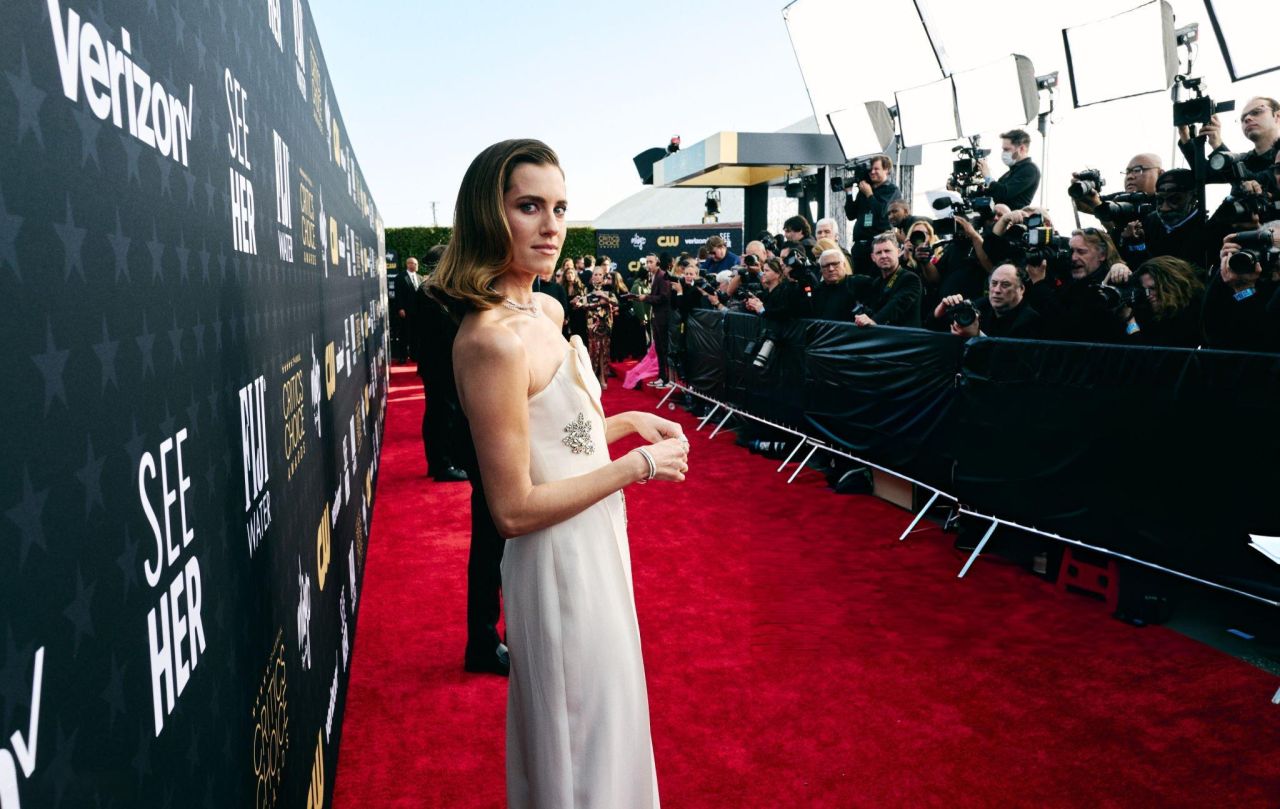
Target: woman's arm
[652, 428]
[492, 374]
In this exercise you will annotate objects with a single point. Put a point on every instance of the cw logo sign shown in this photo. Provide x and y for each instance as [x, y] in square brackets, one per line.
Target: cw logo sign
[668, 241]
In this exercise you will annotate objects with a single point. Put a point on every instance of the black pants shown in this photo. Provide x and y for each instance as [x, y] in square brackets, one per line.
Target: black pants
[661, 344]
[440, 424]
[484, 576]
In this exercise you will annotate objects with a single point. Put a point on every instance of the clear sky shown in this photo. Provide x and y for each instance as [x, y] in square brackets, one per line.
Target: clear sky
[424, 86]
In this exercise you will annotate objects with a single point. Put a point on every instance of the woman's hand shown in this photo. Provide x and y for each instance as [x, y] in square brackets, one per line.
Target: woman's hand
[653, 428]
[671, 457]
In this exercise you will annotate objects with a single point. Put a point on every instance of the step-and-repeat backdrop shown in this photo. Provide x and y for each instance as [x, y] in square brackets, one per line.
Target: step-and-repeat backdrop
[194, 365]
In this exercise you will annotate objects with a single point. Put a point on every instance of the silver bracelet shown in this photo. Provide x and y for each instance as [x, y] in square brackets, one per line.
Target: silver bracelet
[653, 466]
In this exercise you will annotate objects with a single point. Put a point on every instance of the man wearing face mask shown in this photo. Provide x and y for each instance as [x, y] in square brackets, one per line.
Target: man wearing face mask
[1017, 187]
[1175, 228]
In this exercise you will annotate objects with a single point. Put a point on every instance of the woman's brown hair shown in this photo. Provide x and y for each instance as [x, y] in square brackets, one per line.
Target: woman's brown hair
[480, 248]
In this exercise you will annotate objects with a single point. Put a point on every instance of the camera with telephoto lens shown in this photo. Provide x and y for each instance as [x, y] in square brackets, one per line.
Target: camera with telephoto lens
[858, 171]
[1244, 207]
[1085, 183]
[964, 314]
[975, 209]
[1227, 167]
[1123, 208]
[760, 350]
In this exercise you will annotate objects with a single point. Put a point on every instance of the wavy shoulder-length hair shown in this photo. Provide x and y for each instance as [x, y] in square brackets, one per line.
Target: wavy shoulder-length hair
[480, 248]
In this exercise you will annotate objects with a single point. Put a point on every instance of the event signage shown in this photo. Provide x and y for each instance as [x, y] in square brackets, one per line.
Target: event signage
[193, 286]
[627, 248]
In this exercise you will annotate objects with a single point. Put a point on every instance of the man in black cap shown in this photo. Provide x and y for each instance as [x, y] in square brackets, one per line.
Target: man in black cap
[1176, 228]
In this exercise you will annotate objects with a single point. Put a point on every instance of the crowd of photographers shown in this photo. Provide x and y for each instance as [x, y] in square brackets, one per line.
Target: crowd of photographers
[1157, 271]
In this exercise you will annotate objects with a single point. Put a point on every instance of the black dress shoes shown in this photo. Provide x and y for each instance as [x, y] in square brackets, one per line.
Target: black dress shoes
[494, 662]
[451, 474]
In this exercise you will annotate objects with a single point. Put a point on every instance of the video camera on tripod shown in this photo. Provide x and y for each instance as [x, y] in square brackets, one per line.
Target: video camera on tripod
[855, 171]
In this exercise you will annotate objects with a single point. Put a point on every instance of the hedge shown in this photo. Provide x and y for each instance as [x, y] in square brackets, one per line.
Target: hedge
[415, 241]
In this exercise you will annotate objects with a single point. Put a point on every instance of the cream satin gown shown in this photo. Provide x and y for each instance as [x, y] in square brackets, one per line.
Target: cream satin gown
[577, 708]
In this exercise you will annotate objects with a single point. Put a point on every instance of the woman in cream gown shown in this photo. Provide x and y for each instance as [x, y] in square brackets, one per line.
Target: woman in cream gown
[577, 707]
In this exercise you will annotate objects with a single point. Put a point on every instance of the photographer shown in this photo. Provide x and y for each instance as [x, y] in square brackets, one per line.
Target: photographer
[1168, 312]
[719, 257]
[867, 209]
[1081, 308]
[779, 298]
[840, 289]
[1175, 228]
[1017, 186]
[825, 228]
[1260, 123]
[893, 299]
[1242, 306]
[1002, 313]
[1140, 176]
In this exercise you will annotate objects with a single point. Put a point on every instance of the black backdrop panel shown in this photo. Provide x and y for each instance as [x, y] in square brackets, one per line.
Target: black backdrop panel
[192, 289]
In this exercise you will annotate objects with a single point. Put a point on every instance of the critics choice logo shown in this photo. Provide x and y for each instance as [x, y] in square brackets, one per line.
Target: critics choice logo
[116, 87]
[294, 398]
[271, 727]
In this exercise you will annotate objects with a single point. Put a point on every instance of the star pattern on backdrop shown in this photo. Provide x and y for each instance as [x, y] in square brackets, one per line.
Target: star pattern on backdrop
[90, 127]
[106, 353]
[146, 342]
[51, 364]
[90, 476]
[80, 612]
[72, 238]
[30, 98]
[10, 225]
[15, 676]
[120, 250]
[127, 561]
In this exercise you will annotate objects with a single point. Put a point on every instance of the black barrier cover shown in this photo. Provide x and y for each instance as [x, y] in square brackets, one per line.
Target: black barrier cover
[1165, 455]
[194, 309]
[627, 248]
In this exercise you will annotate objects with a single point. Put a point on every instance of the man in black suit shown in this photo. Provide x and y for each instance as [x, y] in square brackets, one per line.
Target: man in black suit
[894, 297]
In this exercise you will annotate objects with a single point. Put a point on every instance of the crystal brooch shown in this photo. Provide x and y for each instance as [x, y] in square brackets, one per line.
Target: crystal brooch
[578, 436]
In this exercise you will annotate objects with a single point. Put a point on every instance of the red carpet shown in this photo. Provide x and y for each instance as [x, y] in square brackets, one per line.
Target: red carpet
[799, 656]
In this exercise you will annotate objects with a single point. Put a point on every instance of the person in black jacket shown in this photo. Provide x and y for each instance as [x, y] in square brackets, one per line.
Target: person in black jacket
[1017, 187]
[780, 299]
[1176, 228]
[1260, 123]
[893, 298]
[1170, 315]
[434, 329]
[1080, 310]
[660, 298]
[1239, 314]
[868, 210]
[1002, 313]
[840, 289]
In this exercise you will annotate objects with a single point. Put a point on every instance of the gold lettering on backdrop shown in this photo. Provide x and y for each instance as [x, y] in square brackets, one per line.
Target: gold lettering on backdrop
[315, 795]
[323, 548]
[668, 241]
[271, 727]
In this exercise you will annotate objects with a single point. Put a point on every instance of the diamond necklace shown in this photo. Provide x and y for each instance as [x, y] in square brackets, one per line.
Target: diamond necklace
[530, 309]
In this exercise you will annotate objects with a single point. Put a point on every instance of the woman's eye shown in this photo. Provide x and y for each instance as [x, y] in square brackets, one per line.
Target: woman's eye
[561, 210]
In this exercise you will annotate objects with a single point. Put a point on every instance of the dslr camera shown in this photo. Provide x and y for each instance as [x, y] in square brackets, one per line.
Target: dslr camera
[1086, 182]
[1121, 209]
[963, 314]
[1256, 248]
[1044, 244]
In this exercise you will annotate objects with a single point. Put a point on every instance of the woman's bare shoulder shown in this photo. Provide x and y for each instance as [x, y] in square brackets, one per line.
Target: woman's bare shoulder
[550, 307]
[484, 338]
